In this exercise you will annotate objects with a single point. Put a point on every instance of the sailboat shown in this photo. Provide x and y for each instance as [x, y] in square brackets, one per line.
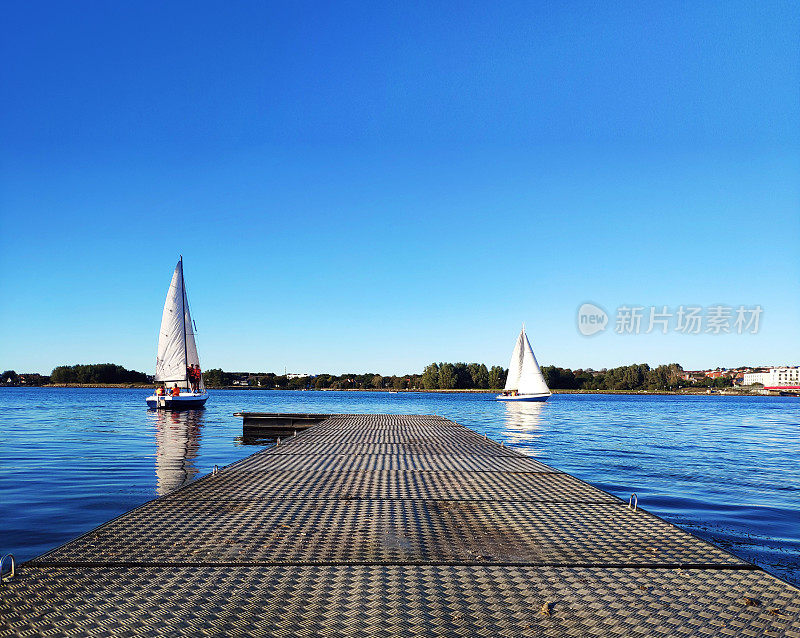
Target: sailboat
[525, 380]
[177, 350]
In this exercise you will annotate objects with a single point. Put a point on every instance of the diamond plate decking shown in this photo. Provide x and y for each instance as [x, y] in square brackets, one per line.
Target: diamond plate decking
[387, 525]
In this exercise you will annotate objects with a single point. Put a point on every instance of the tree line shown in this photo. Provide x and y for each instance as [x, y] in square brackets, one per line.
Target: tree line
[10, 377]
[446, 376]
[472, 376]
[450, 376]
[217, 378]
[462, 376]
[633, 377]
[477, 376]
[97, 373]
[435, 376]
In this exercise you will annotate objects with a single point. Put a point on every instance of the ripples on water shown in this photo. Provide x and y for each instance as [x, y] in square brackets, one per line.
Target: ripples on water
[724, 468]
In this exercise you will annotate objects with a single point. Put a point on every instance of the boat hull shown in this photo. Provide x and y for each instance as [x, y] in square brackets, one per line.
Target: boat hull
[523, 397]
[185, 401]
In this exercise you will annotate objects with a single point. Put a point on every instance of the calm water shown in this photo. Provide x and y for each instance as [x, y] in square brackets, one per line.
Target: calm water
[724, 468]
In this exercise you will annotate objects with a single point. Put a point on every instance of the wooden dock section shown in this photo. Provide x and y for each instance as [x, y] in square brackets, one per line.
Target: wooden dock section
[257, 426]
[384, 525]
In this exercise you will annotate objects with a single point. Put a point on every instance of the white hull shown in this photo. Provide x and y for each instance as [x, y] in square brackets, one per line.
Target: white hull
[184, 401]
[523, 397]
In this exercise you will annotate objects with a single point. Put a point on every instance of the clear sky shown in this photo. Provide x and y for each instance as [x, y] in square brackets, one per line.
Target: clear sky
[375, 186]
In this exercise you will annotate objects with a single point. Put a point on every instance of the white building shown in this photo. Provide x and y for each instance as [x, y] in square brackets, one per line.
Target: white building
[774, 377]
[296, 375]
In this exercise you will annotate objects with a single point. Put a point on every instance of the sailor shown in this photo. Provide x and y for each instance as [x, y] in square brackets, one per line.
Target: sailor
[192, 372]
[161, 391]
[176, 391]
[196, 376]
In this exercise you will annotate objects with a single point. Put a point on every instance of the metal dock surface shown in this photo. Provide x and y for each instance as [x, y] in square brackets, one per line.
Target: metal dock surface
[383, 525]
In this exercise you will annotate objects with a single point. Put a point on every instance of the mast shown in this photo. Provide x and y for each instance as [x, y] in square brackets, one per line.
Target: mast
[183, 320]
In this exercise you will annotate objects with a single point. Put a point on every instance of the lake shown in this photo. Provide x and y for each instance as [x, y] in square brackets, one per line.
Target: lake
[722, 467]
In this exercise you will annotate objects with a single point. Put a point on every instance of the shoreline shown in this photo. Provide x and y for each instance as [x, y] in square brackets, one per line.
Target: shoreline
[684, 392]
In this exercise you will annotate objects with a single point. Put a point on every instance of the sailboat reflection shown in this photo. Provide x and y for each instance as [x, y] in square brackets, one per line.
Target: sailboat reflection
[523, 421]
[177, 444]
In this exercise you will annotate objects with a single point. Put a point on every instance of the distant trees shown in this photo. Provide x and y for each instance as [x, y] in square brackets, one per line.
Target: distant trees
[639, 376]
[462, 376]
[97, 373]
[436, 376]
[33, 379]
[560, 378]
[216, 378]
[497, 377]
[719, 382]
[323, 381]
[447, 376]
[430, 377]
[468, 376]
[479, 375]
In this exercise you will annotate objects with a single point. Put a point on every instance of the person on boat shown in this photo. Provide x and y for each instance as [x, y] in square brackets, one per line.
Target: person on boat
[161, 391]
[176, 391]
[194, 377]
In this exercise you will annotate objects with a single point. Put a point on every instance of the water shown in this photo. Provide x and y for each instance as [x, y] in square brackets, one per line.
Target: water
[724, 468]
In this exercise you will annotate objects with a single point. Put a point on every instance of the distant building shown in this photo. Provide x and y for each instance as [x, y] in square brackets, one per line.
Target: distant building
[296, 375]
[775, 378]
[718, 373]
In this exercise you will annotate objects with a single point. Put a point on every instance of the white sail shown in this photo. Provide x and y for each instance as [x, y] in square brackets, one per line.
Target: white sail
[515, 365]
[531, 379]
[524, 374]
[176, 345]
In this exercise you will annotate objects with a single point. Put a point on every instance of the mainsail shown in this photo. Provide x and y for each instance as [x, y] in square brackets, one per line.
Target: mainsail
[515, 365]
[176, 345]
[524, 374]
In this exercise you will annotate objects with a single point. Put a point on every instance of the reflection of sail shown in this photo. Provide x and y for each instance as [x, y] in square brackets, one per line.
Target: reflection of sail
[177, 442]
[523, 420]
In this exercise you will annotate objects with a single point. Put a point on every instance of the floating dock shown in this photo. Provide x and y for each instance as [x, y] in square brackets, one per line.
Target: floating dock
[385, 525]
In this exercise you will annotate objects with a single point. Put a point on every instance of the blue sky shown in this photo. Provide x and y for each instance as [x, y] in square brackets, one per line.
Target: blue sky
[371, 187]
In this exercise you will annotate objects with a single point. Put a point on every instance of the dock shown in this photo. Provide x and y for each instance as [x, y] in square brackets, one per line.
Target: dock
[257, 426]
[389, 525]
